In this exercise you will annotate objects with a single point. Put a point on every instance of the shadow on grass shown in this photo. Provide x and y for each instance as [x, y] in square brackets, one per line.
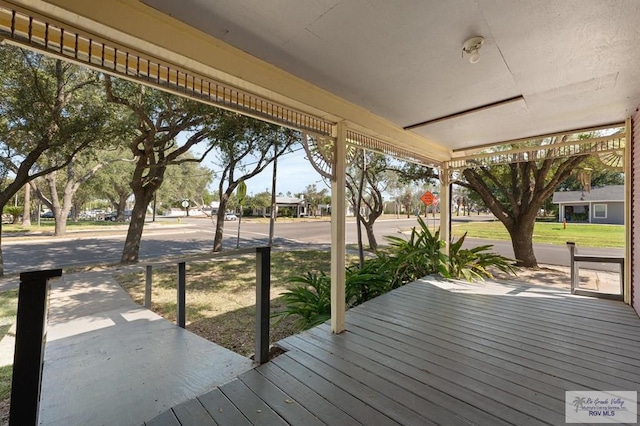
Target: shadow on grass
[221, 295]
[235, 330]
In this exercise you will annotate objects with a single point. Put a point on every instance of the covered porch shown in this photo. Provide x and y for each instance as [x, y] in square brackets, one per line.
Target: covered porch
[396, 80]
[453, 80]
[437, 352]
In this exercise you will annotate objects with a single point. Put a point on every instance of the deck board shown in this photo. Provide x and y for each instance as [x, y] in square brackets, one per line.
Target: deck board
[192, 413]
[254, 409]
[536, 326]
[543, 342]
[438, 352]
[283, 404]
[350, 404]
[351, 379]
[511, 407]
[347, 361]
[319, 406]
[563, 366]
[165, 419]
[222, 410]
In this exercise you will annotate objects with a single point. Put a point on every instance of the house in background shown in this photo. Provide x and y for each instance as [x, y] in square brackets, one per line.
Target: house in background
[601, 205]
[285, 206]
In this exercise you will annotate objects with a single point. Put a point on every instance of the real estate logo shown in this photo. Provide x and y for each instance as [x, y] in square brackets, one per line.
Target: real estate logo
[601, 407]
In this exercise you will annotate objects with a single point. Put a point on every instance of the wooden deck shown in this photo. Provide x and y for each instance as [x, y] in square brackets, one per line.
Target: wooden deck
[436, 352]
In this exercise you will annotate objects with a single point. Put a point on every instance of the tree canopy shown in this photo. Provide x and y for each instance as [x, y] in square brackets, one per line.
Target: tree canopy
[515, 192]
[51, 110]
[156, 119]
[245, 147]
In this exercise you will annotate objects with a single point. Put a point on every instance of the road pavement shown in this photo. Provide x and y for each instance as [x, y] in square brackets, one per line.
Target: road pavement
[168, 238]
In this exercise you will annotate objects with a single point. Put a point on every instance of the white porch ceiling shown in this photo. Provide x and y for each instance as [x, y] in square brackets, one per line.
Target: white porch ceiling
[574, 62]
[382, 65]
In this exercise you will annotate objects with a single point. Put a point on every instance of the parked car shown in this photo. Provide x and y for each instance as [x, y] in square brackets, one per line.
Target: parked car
[111, 216]
[47, 215]
[230, 216]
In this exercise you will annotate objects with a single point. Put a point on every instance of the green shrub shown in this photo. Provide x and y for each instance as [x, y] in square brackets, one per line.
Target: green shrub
[363, 284]
[14, 211]
[473, 264]
[403, 262]
[310, 301]
[415, 257]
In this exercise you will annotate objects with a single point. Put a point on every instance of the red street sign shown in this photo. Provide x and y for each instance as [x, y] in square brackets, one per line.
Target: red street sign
[427, 198]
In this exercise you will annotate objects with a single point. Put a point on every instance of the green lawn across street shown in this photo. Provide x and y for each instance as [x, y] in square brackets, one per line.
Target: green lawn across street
[583, 234]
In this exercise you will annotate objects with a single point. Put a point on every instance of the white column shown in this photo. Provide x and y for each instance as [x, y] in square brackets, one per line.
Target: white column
[445, 202]
[338, 232]
[628, 223]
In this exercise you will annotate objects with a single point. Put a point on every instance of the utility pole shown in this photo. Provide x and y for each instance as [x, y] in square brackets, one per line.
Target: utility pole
[272, 220]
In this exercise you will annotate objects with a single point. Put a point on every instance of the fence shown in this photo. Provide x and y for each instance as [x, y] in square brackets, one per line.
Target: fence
[263, 289]
[575, 272]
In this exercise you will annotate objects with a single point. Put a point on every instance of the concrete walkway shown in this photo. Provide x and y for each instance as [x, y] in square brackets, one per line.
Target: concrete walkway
[110, 362]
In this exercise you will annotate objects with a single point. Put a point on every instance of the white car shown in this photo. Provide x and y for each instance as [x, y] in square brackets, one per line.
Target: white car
[230, 216]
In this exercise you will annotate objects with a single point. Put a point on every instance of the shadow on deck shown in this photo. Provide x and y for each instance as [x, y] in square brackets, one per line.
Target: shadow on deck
[110, 362]
[437, 352]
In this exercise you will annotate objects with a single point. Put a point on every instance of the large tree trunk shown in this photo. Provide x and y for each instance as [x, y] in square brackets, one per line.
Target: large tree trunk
[522, 242]
[373, 243]
[26, 214]
[131, 250]
[217, 240]
[1, 255]
[60, 216]
[120, 208]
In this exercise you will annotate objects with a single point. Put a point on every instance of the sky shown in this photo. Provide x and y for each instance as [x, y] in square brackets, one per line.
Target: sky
[295, 173]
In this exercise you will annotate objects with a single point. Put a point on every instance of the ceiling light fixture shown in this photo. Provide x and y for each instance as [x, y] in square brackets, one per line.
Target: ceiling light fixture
[472, 48]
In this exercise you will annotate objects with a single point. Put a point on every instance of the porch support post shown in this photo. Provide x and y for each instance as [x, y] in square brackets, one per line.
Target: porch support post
[338, 232]
[445, 204]
[628, 223]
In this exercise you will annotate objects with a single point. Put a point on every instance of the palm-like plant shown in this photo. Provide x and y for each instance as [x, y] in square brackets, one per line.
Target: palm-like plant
[417, 256]
[472, 264]
[310, 301]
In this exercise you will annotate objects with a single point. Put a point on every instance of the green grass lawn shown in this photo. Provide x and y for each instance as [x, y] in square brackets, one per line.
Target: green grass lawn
[221, 295]
[583, 234]
[49, 225]
[8, 309]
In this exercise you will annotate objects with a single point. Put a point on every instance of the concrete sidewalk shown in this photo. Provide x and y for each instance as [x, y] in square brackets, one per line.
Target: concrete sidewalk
[109, 361]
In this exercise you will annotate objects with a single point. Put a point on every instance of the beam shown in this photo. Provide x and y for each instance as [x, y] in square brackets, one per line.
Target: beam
[466, 112]
[338, 231]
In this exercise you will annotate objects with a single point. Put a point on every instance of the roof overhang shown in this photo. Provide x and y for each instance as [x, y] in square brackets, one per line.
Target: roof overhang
[131, 26]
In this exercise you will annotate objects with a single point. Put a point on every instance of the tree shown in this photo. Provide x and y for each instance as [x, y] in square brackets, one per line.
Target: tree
[314, 197]
[185, 181]
[406, 200]
[113, 181]
[157, 118]
[62, 187]
[26, 213]
[259, 202]
[245, 147]
[515, 192]
[48, 110]
[366, 182]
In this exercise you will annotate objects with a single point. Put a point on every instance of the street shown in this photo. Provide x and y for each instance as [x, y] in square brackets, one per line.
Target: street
[169, 238]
